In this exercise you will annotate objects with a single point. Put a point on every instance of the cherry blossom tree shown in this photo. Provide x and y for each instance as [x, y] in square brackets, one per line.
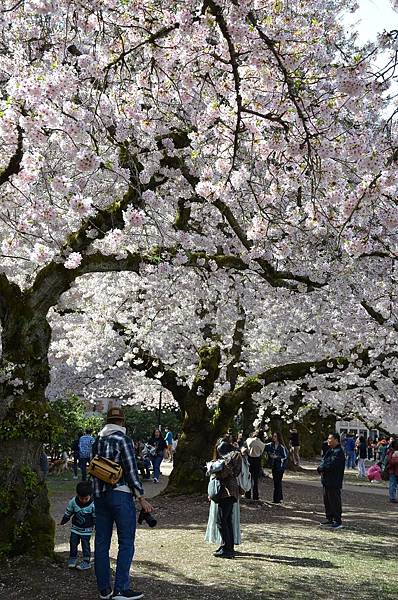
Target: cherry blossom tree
[251, 143]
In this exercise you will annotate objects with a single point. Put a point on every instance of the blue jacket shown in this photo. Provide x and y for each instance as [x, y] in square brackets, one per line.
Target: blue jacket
[332, 468]
[349, 444]
[279, 463]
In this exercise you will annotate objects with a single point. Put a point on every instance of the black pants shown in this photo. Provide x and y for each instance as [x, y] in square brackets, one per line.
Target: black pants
[74, 541]
[224, 523]
[277, 475]
[332, 502]
[254, 467]
[83, 462]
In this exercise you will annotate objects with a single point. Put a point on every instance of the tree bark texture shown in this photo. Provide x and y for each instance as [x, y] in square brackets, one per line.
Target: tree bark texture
[26, 526]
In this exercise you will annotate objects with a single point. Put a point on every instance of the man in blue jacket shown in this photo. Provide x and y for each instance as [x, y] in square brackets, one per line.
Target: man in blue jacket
[350, 451]
[331, 470]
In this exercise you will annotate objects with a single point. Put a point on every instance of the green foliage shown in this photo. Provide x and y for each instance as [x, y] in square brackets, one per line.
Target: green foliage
[28, 419]
[30, 478]
[70, 417]
[140, 423]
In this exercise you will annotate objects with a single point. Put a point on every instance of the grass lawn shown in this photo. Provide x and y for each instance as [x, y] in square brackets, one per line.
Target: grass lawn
[284, 554]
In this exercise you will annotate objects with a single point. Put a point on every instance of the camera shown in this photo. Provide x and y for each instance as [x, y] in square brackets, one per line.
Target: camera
[145, 516]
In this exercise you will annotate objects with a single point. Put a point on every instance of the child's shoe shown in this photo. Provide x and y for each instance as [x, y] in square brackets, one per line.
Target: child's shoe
[72, 562]
[84, 565]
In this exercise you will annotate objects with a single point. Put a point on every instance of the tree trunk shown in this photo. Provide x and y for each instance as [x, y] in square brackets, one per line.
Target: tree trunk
[195, 447]
[25, 522]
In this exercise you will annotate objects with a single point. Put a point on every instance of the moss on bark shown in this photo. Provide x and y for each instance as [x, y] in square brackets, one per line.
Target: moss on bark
[26, 526]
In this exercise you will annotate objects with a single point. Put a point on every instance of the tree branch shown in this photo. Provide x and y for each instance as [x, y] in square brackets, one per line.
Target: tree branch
[14, 165]
[236, 350]
[155, 369]
[10, 294]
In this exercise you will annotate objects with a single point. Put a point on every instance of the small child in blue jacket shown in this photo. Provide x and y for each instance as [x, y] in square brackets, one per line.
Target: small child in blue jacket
[81, 509]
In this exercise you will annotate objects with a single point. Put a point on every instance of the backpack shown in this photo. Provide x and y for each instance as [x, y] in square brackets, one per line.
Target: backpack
[244, 477]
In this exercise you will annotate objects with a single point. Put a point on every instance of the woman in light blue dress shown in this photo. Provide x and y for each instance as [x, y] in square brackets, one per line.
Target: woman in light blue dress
[213, 535]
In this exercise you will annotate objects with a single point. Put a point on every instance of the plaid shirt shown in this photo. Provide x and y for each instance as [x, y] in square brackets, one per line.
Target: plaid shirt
[119, 448]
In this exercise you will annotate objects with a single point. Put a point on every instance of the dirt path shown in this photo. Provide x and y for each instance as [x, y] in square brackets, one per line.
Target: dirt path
[285, 555]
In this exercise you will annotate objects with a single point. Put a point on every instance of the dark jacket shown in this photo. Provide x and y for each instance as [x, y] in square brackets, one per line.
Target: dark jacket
[362, 449]
[392, 465]
[229, 474]
[332, 468]
[279, 462]
[159, 444]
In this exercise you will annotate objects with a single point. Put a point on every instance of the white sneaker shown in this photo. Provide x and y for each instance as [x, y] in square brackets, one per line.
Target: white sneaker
[128, 595]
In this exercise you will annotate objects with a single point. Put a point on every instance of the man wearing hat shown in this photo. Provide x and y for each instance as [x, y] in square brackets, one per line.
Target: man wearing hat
[115, 504]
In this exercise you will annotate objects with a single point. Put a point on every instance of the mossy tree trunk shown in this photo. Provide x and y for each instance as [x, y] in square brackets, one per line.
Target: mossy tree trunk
[195, 447]
[25, 522]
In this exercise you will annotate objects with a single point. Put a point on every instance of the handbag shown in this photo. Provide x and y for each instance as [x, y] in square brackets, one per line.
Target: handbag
[215, 489]
[105, 469]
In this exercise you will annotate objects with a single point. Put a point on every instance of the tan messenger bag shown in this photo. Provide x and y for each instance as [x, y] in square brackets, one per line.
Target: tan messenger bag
[105, 469]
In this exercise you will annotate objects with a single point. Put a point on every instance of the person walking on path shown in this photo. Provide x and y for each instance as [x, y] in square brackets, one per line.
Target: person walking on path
[278, 454]
[362, 455]
[331, 470]
[255, 448]
[76, 455]
[229, 497]
[85, 443]
[382, 449]
[168, 438]
[350, 451]
[392, 464]
[294, 443]
[81, 510]
[159, 447]
[369, 446]
[115, 504]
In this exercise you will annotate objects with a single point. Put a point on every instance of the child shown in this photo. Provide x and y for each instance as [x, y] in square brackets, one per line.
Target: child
[81, 509]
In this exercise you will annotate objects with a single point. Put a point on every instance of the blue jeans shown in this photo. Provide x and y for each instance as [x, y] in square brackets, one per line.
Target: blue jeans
[74, 541]
[114, 507]
[350, 462]
[392, 486]
[156, 462]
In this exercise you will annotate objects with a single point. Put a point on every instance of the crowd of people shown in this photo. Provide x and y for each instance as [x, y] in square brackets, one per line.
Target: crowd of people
[149, 454]
[359, 450]
[234, 473]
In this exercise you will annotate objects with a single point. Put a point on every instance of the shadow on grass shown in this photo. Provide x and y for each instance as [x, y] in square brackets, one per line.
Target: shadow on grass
[293, 561]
